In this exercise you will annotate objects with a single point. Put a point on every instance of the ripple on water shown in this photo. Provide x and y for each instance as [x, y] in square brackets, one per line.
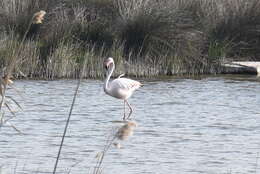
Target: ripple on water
[208, 125]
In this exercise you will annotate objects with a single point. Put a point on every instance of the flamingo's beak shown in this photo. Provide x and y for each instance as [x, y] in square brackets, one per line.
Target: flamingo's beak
[106, 64]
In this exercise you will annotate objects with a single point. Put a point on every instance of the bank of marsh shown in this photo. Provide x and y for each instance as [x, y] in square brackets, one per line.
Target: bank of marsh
[146, 38]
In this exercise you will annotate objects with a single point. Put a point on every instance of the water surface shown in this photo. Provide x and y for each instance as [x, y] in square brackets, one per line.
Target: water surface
[208, 125]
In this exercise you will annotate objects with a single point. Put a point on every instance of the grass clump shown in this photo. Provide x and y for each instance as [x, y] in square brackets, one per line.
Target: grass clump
[238, 21]
[152, 37]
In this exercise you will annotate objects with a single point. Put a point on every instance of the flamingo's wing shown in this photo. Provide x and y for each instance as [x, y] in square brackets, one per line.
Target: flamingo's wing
[121, 76]
[125, 84]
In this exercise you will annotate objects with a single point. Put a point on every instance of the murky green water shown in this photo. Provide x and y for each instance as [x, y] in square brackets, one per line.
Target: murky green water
[209, 125]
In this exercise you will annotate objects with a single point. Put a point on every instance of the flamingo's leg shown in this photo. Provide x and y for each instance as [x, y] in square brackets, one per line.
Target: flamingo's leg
[124, 111]
[131, 109]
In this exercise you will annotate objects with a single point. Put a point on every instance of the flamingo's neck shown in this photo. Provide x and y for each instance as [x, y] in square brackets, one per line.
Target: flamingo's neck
[108, 75]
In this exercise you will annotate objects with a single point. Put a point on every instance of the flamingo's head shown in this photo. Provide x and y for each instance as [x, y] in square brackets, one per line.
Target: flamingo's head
[108, 62]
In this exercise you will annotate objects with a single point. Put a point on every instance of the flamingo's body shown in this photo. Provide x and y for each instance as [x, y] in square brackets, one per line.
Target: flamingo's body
[120, 88]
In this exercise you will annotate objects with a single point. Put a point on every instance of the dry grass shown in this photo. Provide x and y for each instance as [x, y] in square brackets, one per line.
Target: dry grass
[8, 104]
[146, 38]
[121, 133]
[12, 58]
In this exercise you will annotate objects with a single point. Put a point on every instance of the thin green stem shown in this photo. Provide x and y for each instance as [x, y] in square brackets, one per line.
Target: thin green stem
[66, 126]
[68, 120]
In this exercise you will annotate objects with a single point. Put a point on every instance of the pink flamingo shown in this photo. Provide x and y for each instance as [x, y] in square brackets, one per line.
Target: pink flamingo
[120, 88]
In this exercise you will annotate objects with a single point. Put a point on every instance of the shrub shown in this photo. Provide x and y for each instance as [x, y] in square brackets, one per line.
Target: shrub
[157, 28]
[239, 21]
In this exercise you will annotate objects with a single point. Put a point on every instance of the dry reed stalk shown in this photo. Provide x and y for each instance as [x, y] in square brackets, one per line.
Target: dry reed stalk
[5, 81]
[68, 119]
[38, 17]
[101, 155]
[6, 102]
[122, 133]
[15, 57]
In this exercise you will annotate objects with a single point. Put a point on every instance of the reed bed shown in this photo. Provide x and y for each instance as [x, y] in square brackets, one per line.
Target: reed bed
[16, 52]
[146, 38]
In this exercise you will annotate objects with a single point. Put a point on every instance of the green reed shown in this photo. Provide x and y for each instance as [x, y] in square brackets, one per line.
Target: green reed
[146, 38]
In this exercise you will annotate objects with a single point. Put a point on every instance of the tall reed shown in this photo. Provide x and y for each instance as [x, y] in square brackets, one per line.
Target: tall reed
[147, 37]
[12, 58]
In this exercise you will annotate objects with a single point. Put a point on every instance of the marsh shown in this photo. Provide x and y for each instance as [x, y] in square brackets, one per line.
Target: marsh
[204, 125]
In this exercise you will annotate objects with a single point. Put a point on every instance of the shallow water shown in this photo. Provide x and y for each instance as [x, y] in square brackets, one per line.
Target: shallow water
[208, 125]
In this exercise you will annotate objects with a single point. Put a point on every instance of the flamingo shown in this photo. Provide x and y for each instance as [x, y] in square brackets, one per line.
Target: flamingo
[120, 88]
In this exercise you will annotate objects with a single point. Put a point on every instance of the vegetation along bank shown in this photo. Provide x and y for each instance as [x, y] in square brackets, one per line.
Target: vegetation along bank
[145, 37]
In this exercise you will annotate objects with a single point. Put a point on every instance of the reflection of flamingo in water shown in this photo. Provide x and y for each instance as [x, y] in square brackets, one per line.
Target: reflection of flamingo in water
[121, 88]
